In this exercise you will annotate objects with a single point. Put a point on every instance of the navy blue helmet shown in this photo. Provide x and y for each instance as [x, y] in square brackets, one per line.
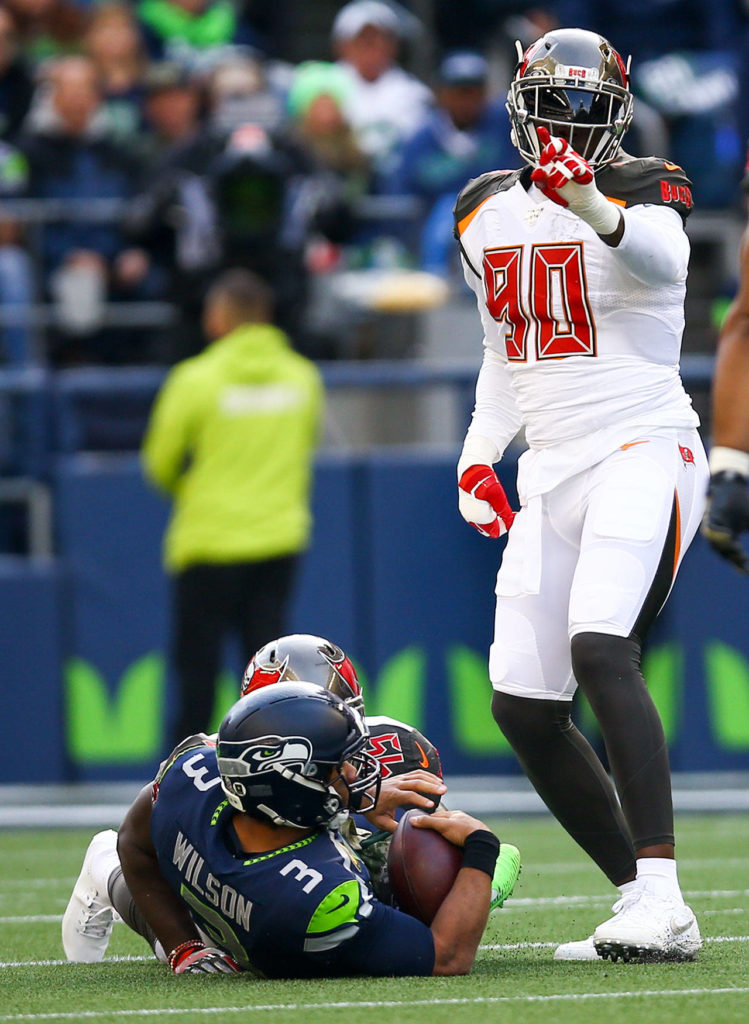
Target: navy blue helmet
[281, 748]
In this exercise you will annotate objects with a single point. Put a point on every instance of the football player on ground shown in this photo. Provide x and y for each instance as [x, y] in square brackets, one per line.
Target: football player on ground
[411, 776]
[237, 862]
[727, 514]
[579, 265]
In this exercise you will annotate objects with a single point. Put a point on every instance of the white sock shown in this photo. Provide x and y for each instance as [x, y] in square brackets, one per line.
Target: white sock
[658, 875]
[628, 887]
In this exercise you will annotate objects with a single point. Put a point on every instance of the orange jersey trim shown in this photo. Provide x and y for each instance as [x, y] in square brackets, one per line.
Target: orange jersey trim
[677, 539]
[463, 224]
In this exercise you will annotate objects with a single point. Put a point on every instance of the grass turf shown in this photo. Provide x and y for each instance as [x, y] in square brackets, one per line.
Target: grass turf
[560, 896]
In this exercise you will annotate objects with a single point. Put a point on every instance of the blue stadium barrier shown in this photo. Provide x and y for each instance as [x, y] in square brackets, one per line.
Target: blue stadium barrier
[31, 599]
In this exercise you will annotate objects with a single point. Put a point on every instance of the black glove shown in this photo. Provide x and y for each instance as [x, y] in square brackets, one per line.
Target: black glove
[727, 515]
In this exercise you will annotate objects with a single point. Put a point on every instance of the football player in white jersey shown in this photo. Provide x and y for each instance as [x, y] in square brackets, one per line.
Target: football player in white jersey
[727, 514]
[579, 265]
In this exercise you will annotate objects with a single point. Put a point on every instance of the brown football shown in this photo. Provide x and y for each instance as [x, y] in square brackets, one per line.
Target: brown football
[422, 866]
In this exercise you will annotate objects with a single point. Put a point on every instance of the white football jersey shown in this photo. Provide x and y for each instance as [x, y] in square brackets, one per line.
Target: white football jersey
[579, 337]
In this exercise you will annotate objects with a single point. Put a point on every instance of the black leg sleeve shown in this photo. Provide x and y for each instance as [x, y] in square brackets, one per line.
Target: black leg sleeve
[125, 906]
[570, 779]
[608, 671]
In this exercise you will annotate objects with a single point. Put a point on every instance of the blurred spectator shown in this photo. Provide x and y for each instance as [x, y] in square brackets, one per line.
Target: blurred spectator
[467, 134]
[385, 103]
[48, 28]
[316, 104]
[172, 108]
[16, 267]
[70, 156]
[240, 92]
[185, 30]
[113, 43]
[237, 193]
[686, 59]
[16, 84]
[231, 438]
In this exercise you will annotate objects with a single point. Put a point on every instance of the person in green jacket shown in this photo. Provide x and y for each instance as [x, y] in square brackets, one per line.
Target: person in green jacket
[231, 439]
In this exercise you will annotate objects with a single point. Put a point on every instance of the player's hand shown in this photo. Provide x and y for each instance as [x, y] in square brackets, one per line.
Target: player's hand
[197, 958]
[417, 789]
[483, 503]
[727, 515]
[558, 165]
[568, 180]
[455, 826]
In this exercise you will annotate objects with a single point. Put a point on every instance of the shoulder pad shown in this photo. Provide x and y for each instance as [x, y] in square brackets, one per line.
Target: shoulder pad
[200, 739]
[631, 181]
[477, 191]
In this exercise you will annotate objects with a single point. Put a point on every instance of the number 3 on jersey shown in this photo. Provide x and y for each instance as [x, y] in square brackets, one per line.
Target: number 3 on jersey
[558, 303]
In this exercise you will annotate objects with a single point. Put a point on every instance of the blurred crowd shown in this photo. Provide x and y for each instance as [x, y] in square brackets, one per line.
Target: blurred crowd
[147, 146]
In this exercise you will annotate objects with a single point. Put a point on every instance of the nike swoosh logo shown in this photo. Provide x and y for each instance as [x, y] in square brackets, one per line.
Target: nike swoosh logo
[341, 905]
[632, 444]
[424, 762]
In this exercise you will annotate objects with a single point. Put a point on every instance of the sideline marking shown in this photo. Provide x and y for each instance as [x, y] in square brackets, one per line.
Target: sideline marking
[382, 1003]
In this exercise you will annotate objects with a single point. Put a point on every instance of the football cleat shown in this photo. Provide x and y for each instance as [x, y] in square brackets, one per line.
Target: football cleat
[647, 926]
[89, 917]
[581, 950]
[506, 875]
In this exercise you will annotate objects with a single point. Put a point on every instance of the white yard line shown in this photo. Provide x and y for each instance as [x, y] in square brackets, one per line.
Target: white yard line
[501, 947]
[527, 902]
[566, 997]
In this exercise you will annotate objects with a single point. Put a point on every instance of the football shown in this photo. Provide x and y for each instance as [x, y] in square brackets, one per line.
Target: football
[422, 866]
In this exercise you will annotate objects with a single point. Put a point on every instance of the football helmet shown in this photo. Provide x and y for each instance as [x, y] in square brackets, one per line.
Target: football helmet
[400, 748]
[575, 84]
[280, 752]
[303, 656]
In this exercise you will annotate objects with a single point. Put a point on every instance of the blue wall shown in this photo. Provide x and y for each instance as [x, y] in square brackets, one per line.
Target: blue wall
[393, 575]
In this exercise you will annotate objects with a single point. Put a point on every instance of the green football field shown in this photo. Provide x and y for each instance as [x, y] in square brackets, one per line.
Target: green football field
[560, 896]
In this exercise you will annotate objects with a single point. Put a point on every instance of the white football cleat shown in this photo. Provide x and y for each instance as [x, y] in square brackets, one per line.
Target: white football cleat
[582, 950]
[89, 917]
[646, 926]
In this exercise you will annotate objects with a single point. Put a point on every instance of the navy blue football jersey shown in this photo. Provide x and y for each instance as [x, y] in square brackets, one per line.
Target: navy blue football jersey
[304, 910]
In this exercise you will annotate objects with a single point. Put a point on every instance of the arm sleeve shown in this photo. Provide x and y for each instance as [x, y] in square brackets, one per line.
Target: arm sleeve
[167, 439]
[495, 413]
[654, 246]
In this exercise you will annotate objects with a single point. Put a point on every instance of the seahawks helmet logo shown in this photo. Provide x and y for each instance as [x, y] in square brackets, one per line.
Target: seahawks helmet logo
[268, 753]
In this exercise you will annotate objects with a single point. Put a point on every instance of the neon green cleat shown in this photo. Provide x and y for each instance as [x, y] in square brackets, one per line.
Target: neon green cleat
[505, 875]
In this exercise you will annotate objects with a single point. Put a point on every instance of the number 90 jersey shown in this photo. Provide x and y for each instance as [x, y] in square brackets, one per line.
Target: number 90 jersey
[587, 335]
[305, 910]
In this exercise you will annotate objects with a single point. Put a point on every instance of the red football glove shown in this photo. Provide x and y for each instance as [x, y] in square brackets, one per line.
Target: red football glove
[194, 957]
[559, 164]
[480, 484]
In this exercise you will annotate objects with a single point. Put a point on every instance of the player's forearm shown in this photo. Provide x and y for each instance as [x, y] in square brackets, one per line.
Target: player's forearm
[460, 922]
[161, 907]
[159, 904]
[495, 415]
[731, 383]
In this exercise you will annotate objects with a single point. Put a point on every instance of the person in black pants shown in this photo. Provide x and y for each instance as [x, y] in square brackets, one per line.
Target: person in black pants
[231, 439]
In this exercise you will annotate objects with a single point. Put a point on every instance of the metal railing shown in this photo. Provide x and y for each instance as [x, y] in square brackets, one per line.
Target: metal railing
[721, 228]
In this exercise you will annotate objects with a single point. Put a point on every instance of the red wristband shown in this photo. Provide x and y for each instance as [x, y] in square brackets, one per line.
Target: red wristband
[179, 953]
